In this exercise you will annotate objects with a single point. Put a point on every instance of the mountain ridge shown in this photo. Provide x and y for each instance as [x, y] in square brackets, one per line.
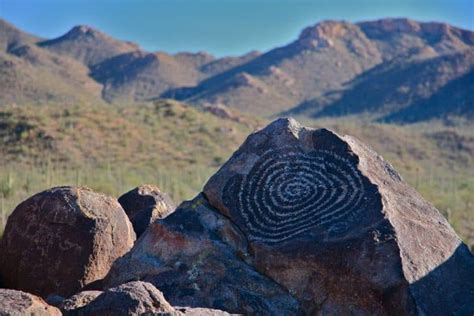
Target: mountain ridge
[303, 77]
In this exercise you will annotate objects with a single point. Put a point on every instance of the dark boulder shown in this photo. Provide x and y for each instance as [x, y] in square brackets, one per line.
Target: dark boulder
[144, 205]
[327, 218]
[18, 303]
[305, 221]
[61, 239]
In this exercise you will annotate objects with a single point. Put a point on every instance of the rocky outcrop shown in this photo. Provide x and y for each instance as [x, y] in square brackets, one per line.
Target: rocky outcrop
[331, 221]
[18, 303]
[61, 239]
[144, 205]
[304, 221]
[195, 257]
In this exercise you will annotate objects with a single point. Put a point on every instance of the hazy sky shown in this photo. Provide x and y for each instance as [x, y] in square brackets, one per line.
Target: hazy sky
[221, 27]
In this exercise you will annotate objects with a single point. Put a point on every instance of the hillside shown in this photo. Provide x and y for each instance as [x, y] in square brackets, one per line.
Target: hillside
[114, 148]
[398, 86]
[332, 58]
[88, 45]
[329, 70]
[11, 37]
[29, 73]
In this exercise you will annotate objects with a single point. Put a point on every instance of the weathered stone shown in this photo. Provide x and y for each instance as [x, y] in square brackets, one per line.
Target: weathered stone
[62, 239]
[305, 221]
[18, 303]
[78, 300]
[333, 223]
[144, 205]
[133, 298]
[195, 257]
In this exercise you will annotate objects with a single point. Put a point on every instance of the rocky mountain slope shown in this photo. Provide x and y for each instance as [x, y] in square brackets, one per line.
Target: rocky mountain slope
[394, 89]
[333, 69]
[30, 74]
[331, 58]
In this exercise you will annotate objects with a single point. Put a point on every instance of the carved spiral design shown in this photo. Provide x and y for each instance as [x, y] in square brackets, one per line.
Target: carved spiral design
[289, 191]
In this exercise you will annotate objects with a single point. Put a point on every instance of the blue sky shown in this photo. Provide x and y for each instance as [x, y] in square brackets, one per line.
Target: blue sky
[221, 27]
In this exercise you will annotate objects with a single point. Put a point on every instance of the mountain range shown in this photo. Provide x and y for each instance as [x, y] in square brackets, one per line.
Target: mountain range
[394, 70]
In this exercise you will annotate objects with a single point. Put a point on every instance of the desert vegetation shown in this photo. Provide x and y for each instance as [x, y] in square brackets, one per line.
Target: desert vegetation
[176, 146]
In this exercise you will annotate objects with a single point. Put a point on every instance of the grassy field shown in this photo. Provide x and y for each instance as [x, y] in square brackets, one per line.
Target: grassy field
[113, 149]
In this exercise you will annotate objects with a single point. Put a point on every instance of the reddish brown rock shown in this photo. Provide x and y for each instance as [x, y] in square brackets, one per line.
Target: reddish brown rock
[18, 303]
[332, 222]
[144, 205]
[61, 239]
[133, 298]
[195, 256]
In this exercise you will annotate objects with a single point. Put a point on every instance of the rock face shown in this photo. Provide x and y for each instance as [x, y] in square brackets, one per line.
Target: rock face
[62, 239]
[144, 205]
[18, 303]
[332, 222]
[133, 298]
[195, 257]
[304, 221]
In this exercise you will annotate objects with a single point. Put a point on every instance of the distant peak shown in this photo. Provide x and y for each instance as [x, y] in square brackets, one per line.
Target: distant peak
[330, 29]
[323, 34]
[82, 30]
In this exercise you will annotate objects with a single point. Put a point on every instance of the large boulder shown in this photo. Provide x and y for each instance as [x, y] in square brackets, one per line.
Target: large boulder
[144, 205]
[133, 298]
[195, 256]
[327, 218]
[18, 303]
[61, 239]
[305, 221]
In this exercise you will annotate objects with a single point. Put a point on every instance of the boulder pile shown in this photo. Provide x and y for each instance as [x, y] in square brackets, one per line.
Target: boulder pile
[298, 221]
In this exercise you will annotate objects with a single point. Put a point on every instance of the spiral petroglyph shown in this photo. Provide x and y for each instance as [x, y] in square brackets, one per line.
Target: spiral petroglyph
[290, 191]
